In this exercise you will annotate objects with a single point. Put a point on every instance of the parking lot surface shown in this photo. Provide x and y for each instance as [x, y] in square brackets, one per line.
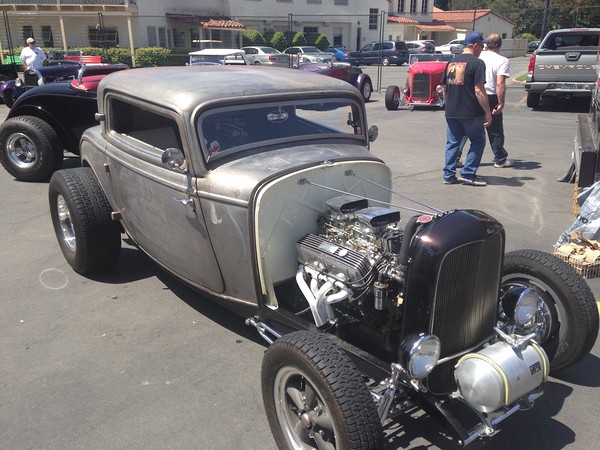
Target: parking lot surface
[135, 359]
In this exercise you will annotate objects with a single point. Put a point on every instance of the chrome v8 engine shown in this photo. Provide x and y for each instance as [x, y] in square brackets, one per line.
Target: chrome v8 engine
[354, 258]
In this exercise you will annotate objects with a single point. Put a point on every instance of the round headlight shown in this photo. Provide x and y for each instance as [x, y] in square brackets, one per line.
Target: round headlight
[406, 90]
[439, 89]
[526, 307]
[420, 354]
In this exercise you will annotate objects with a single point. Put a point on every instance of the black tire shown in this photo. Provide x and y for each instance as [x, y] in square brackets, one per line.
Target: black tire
[307, 365]
[568, 311]
[8, 97]
[257, 63]
[533, 100]
[366, 89]
[385, 61]
[88, 237]
[392, 98]
[30, 149]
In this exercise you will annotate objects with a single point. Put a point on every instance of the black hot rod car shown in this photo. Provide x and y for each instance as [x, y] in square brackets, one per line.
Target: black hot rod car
[266, 198]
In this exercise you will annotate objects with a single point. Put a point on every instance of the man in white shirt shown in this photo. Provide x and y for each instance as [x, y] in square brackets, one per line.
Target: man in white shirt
[32, 56]
[496, 73]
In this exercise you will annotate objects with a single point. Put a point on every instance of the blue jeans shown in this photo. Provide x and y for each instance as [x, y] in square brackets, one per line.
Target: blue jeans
[473, 129]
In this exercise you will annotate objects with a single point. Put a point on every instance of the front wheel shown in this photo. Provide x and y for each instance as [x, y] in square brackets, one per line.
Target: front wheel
[30, 149]
[88, 237]
[392, 98]
[385, 61]
[567, 312]
[315, 398]
[366, 89]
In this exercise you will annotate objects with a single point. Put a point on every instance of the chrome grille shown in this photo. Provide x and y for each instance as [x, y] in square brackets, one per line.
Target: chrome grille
[421, 85]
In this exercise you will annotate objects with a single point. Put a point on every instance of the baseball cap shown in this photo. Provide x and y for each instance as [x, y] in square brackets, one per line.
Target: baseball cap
[30, 40]
[475, 37]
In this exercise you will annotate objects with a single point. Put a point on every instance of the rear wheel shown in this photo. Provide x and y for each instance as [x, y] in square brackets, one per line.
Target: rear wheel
[533, 100]
[257, 63]
[567, 312]
[30, 149]
[315, 398]
[88, 237]
[392, 98]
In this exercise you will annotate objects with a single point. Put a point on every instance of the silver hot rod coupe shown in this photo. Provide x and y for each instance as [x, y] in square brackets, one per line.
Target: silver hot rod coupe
[259, 190]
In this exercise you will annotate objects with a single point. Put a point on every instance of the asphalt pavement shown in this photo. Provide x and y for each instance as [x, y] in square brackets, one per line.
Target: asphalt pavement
[135, 359]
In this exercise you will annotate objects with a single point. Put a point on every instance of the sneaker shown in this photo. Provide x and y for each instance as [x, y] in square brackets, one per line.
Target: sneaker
[459, 164]
[474, 182]
[452, 180]
[506, 163]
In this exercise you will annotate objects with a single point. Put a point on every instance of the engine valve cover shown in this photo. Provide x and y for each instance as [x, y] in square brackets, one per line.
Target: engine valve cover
[335, 258]
[499, 375]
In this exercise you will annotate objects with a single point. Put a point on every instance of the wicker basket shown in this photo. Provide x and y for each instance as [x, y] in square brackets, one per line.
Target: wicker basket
[585, 260]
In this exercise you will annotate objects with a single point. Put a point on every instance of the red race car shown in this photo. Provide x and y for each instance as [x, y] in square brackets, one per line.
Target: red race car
[423, 86]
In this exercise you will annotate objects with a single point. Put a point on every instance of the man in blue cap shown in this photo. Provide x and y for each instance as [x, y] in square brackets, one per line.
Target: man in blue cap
[467, 111]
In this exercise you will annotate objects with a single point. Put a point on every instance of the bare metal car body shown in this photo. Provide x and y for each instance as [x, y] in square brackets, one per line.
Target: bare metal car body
[261, 193]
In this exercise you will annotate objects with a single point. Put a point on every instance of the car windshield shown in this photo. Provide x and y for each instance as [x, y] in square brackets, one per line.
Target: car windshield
[311, 50]
[269, 50]
[228, 130]
[423, 57]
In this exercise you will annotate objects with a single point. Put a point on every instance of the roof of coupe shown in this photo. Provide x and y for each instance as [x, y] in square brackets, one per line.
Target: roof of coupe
[184, 88]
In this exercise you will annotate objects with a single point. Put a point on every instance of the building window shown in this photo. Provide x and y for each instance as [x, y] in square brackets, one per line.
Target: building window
[47, 37]
[413, 6]
[400, 6]
[178, 38]
[424, 6]
[162, 37]
[316, 2]
[27, 32]
[373, 18]
[99, 37]
[340, 2]
[151, 31]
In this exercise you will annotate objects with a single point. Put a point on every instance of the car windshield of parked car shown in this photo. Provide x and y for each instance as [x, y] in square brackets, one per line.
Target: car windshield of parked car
[228, 130]
[311, 50]
[269, 50]
[423, 57]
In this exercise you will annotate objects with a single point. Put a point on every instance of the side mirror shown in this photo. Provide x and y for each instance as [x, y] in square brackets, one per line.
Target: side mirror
[173, 158]
[373, 133]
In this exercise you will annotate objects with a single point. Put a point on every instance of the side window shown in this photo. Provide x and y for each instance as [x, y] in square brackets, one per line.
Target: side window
[388, 45]
[376, 46]
[146, 126]
[367, 48]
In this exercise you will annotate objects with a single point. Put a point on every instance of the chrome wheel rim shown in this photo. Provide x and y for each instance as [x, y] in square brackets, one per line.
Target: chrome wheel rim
[548, 301]
[21, 150]
[304, 418]
[66, 224]
[367, 91]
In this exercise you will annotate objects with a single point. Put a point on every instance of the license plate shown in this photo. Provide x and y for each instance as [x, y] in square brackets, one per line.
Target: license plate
[570, 86]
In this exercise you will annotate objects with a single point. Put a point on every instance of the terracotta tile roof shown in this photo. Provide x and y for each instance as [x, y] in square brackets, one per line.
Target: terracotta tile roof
[215, 23]
[398, 19]
[436, 25]
[463, 15]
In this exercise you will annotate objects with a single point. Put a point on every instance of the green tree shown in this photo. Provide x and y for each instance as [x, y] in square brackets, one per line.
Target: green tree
[299, 39]
[252, 37]
[321, 42]
[279, 41]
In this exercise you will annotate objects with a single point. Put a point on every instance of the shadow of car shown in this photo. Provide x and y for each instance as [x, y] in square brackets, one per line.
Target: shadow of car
[47, 120]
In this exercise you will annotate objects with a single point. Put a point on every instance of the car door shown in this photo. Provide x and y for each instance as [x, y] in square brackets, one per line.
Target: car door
[367, 54]
[252, 54]
[158, 205]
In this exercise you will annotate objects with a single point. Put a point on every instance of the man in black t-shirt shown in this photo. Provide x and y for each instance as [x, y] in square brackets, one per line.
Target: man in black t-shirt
[467, 110]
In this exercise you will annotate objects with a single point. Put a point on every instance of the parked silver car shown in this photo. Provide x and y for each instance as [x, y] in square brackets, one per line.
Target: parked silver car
[267, 56]
[259, 190]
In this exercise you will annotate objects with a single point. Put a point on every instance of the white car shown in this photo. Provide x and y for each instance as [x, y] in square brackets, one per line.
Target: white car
[218, 56]
[267, 56]
[447, 48]
[307, 54]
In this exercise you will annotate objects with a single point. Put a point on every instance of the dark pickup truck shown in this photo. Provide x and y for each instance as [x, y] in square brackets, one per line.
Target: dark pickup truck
[563, 65]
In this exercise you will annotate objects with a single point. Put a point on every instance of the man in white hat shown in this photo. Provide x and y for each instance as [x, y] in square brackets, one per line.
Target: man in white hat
[32, 56]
